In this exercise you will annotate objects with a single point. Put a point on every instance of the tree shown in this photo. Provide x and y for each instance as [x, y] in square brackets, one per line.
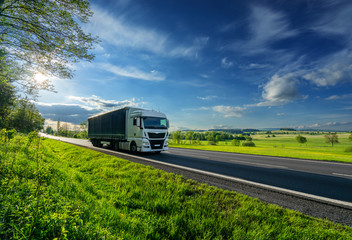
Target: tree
[7, 91]
[177, 136]
[43, 37]
[25, 117]
[301, 140]
[249, 138]
[7, 99]
[49, 130]
[189, 136]
[211, 137]
[83, 126]
[331, 138]
[236, 142]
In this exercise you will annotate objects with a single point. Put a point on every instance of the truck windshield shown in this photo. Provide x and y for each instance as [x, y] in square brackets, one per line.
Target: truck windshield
[155, 122]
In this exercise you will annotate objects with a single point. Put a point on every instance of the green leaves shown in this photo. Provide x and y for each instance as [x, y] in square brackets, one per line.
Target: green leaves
[300, 139]
[331, 138]
[45, 35]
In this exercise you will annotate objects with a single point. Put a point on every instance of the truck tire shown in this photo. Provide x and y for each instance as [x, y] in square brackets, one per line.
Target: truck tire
[97, 143]
[133, 147]
[116, 146]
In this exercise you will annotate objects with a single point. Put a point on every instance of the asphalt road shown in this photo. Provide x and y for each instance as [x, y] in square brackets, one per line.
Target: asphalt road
[325, 179]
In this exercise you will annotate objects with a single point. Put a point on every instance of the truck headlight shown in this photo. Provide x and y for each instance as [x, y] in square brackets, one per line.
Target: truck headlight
[145, 142]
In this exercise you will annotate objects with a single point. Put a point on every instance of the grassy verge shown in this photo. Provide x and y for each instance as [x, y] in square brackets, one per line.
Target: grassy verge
[50, 189]
[284, 146]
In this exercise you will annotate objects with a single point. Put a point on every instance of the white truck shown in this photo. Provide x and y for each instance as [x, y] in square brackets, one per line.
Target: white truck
[132, 129]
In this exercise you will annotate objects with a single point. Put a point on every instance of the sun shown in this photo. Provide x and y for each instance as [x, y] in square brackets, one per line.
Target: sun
[39, 77]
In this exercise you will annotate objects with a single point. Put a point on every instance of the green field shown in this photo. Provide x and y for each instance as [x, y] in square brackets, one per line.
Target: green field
[54, 190]
[284, 146]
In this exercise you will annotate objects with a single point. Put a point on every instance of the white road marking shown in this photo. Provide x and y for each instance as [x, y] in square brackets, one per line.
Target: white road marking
[341, 174]
[259, 164]
[231, 160]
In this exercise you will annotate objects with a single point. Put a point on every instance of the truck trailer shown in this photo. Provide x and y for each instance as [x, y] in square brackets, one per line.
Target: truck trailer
[129, 128]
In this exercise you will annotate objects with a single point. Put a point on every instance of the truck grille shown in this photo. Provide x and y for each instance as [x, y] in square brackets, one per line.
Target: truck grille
[156, 135]
[157, 144]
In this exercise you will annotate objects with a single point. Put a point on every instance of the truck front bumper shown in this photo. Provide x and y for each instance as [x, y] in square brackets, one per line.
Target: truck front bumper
[154, 146]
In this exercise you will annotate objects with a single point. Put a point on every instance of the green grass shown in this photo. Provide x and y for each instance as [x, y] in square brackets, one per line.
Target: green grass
[50, 189]
[284, 146]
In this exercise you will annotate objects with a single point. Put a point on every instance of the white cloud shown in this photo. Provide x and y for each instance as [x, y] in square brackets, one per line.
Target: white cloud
[337, 97]
[204, 76]
[255, 66]
[229, 111]
[120, 33]
[87, 107]
[101, 104]
[221, 127]
[53, 124]
[225, 63]
[207, 98]
[329, 126]
[337, 22]
[42, 104]
[279, 90]
[265, 27]
[74, 113]
[132, 72]
[331, 75]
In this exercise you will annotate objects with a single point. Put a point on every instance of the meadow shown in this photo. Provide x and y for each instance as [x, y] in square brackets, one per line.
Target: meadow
[54, 190]
[283, 145]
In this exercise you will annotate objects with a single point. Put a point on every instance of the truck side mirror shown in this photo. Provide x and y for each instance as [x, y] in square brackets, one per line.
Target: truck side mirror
[138, 122]
[167, 123]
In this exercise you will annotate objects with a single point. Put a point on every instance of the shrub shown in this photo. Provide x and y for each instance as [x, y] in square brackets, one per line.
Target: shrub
[348, 149]
[300, 139]
[249, 138]
[248, 144]
[236, 142]
[7, 135]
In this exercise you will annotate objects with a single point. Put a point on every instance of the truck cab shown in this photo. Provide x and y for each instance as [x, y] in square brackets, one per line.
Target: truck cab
[147, 131]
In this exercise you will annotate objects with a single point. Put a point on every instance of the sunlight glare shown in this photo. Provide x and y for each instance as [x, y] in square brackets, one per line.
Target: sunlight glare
[40, 78]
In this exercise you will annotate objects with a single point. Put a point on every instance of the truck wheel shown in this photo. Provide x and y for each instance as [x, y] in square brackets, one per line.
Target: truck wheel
[133, 147]
[157, 152]
[116, 146]
[98, 143]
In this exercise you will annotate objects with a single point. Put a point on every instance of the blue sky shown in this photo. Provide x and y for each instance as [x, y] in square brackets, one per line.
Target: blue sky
[216, 64]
